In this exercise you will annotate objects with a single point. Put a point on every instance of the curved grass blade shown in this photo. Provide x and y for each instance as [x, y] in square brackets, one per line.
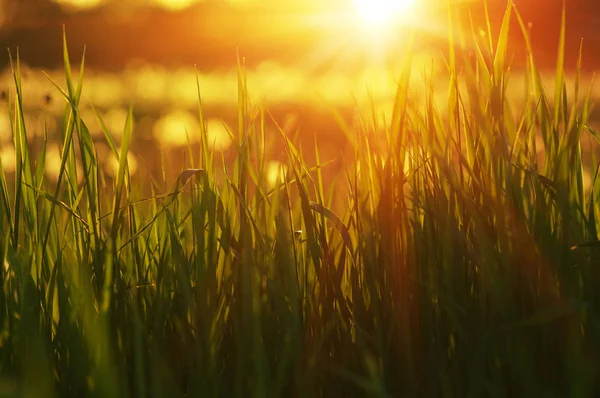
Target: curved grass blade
[336, 221]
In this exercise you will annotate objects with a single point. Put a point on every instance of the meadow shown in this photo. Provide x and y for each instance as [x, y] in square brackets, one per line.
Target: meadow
[452, 253]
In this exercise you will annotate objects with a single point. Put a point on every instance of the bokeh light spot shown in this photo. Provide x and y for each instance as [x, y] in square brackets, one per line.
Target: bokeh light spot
[174, 128]
[217, 135]
[112, 167]
[275, 172]
[8, 158]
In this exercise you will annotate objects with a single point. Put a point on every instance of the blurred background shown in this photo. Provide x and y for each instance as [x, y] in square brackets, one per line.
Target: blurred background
[305, 59]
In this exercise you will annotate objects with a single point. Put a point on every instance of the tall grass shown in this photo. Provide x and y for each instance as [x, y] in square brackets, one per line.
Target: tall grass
[462, 264]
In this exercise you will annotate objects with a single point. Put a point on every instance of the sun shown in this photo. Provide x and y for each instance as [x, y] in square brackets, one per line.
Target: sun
[366, 35]
[381, 13]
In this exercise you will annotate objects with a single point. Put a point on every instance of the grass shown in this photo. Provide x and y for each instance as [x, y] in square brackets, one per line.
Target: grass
[461, 263]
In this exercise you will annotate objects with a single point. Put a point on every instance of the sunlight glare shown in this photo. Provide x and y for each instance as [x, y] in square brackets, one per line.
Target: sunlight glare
[379, 13]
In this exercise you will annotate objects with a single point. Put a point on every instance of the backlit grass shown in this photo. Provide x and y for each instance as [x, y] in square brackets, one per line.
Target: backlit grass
[451, 257]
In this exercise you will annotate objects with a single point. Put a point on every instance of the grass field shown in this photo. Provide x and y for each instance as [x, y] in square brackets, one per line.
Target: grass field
[455, 255]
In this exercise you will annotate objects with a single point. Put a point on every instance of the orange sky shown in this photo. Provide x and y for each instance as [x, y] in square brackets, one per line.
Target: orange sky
[210, 33]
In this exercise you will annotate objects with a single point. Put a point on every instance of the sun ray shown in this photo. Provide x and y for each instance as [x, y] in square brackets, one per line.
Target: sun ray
[348, 42]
